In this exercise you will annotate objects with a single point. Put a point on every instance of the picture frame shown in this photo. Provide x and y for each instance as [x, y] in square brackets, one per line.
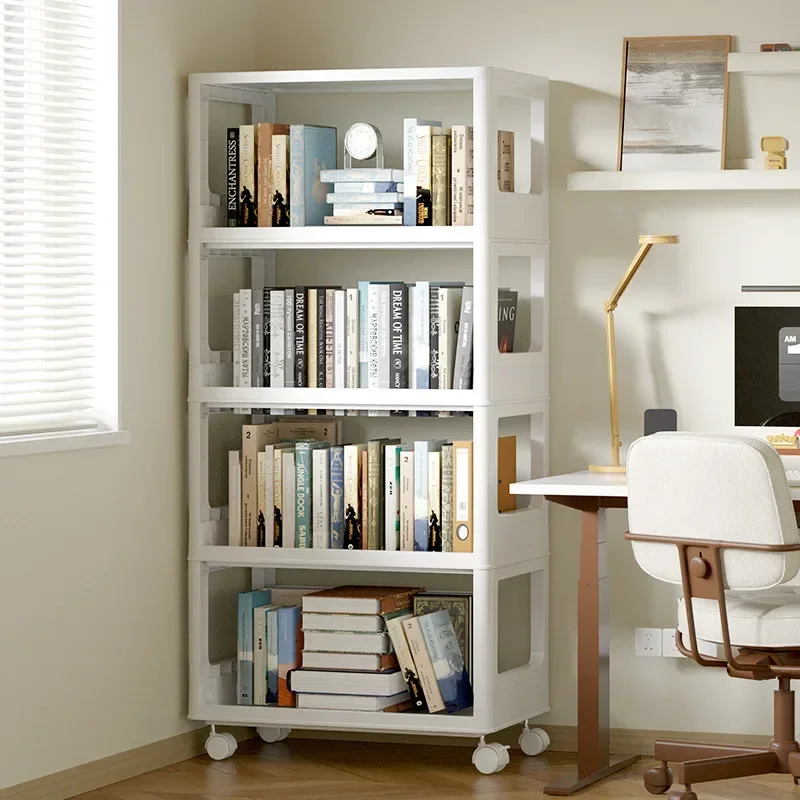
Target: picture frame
[673, 103]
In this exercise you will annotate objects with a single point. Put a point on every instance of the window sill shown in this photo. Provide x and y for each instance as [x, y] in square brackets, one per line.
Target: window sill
[56, 442]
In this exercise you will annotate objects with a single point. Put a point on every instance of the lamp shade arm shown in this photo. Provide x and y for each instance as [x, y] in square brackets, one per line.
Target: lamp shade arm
[628, 276]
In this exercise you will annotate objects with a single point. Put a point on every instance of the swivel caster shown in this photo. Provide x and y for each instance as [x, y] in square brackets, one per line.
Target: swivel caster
[533, 741]
[220, 746]
[273, 735]
[658, 780]
[490, 758]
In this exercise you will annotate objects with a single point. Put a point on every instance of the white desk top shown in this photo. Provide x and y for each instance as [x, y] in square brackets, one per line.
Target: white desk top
[588, 484]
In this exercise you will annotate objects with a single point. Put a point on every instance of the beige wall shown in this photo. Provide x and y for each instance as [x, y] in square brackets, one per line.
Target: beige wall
[675, 324]
[93, 543]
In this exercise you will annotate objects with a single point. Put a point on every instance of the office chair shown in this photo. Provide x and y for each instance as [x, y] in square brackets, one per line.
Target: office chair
[713, 514]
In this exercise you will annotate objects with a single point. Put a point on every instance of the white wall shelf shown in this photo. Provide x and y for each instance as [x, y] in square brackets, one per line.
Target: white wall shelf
[780, 63]
[685, 181]
[508, 245]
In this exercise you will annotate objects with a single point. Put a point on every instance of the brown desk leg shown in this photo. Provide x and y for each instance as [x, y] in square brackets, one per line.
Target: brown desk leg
[594, 760]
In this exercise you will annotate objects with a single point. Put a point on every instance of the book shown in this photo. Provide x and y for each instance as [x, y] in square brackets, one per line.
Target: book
[267, 199]
[289, 328]
[440, 178]
[340, 340]
[396, 631]
[279, 184]
[343, 702]
[449, 308]
[368, 187]
[277, 341]
[384, 325]
[320, 498]
[506, 319]
[459, 607]
[361, 662]
[260, 670]
[391, 497]
[300, 356]
[447, 660]
[410, 147]
[232, 177]
[375, 209]
[261, 491]
[288, 487]
[352, 357]
[337, 497]
[364, 219]
[247, 176]
[423, 665]
[257, 338]
[376, 684]
[277, 494]
[353, 623]
[237, 341]
[433, 336]
[303, 484]
[462, 497]
[421, 335]
[364, 516]
[330, 310]
[360, 174]
[398, 333]
[421, 487]
[269, 494]
[359, 599]
[254, 440]
[370, 199]
[353, 523]
[462, 368]
[272, 655]
[447, 498]
[406, 499]
[311, 338]
[363, 338]
[290, 648]
[246, 331]
[424, 164]
[266, 347]
[505, 160]
[461, 175]
[435, 502]
[234, 498]
[506, 473]
[247, 601]
[312, 148]
[345, 642]
[373, 336]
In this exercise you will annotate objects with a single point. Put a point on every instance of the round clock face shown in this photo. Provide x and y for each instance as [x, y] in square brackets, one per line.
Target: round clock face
[361, 141]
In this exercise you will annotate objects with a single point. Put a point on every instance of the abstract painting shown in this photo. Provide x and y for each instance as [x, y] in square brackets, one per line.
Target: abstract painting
[673, 104]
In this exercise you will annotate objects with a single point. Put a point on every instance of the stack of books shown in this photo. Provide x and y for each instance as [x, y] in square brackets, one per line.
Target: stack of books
[347, 660]
[364, 196]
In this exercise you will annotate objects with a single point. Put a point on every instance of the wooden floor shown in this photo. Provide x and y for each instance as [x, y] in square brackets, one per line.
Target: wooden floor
[326, 770]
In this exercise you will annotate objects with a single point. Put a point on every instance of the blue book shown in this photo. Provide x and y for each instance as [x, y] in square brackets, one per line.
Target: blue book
[337, 497]
[289, 651]
[311, 148]
[302, 489]
[244, 672]
[272, 655]
[363, 341]
[447, 659]
[421, 529]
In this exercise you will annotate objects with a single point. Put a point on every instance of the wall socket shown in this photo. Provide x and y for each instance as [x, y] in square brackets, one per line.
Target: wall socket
[647, 641]
[669, 649]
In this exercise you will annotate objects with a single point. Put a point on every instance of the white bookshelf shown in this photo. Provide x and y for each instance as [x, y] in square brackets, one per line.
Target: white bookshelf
[508, 245]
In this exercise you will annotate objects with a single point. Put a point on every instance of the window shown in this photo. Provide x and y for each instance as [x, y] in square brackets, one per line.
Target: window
[58, 219]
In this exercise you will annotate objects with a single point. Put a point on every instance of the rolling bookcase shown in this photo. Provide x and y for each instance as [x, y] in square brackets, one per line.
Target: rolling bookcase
[507, 246]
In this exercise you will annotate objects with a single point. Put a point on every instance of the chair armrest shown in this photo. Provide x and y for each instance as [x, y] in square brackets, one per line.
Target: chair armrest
[713, 543]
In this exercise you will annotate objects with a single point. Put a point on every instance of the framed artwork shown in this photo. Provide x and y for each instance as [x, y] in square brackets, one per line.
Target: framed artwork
[673, 104]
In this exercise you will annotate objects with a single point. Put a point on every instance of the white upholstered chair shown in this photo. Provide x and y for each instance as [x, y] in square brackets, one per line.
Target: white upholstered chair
[713, 515]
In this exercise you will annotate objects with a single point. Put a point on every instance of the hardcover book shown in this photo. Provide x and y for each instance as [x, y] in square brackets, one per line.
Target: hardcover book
[351, 702]
[337, 496]
[506, 319]
[410, 155]
[268, 199]
[345, 642]
[290, 648]
[406, 498]
[247, 602]
[396, 631]
[358, 662]
[279, 203]
[247, 176]
[376, 684]
[459, 607]
[232, 177]
[312, 148]
[447, 660]
[359, 599]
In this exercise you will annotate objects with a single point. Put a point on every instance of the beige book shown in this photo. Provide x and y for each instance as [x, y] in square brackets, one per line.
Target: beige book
[505, 160]
[462, 497]
[261, 519]
[407, 500]
[254, 440]
[422, 661]
[506, 473]
[280, 181]
[435, 501]
[440, 179]
[264, 134]
[461, 172]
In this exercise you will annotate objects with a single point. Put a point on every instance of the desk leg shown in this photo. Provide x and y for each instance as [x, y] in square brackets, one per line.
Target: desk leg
[594, 759]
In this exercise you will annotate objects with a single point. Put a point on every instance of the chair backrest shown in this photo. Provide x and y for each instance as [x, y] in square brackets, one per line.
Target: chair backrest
[711, 486]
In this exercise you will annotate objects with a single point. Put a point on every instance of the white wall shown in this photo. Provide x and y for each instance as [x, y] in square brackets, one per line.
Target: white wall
[674, 327]
[93, 543]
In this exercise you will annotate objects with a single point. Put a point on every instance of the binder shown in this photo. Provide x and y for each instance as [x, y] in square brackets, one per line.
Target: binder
[462, 497]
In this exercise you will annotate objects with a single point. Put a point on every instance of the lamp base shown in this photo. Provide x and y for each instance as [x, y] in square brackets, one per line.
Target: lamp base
[620, 469]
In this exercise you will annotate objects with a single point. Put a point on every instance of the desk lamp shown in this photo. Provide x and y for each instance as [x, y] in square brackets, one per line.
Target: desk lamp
[645, 244]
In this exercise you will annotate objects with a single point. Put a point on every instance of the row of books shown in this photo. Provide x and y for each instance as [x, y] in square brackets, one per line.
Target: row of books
[313, 492]
[376, 336]
[355, 648]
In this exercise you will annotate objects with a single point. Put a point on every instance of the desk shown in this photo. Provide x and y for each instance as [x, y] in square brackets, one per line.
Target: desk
[592, 493]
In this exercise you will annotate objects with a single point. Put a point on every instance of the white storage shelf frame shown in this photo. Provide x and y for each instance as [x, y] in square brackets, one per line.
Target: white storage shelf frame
[508, 228]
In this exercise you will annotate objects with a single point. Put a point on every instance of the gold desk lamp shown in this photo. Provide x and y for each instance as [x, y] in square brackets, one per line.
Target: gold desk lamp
[645, 243]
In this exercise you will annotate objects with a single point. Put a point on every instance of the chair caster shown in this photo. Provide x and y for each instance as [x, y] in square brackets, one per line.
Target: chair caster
[273, 735]
[533, 741]
[658, 780]
[490, 758]
[220, 746]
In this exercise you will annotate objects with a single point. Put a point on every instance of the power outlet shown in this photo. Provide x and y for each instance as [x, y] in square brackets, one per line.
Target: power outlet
[669, 649]
[647, 641]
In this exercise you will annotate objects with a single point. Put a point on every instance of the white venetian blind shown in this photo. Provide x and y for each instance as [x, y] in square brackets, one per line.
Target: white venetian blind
[48, 253]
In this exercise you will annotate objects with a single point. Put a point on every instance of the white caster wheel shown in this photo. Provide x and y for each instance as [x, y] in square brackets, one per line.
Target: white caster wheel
[220, 746]
[533, 741]
[273, 735]
[490, 758]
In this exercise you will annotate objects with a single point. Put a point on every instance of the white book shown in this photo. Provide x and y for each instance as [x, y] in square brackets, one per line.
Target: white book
[421, 333]
[341, 642]
[391, 497]
[277, 342]
[320, 498]
[351, 359]
[355, 623]
[349, 702]
[269, 494]
[234, 498]
[449, 313]
[383, 335]
[373, 333]
[375, 684]
[289, 501]
[246, 327]
[461, 172]
[406, 499]
[288, 326]
[361, 662]
[340, 342]
[410, 167]
[422, 449]
[237, 342]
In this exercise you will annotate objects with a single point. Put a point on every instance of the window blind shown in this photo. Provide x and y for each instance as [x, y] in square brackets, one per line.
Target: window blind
[48, 222]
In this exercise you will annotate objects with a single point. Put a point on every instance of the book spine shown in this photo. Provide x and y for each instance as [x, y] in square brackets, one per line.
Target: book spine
[391, 498]
[383, 336]
[277, 499]
[279, 203]
[269, 495]
[263, 173]
[458, 169]
[340, 339]
[352, 497]
[406, 500]
[303, 494]
[421, 495]
[261, 519]
[277, 342]
[234, 498]
[462, 496]
[300, 315]
[288, 324]
[330, 312]
[363, 338]
[247, 176]
[257, 348]
[470, 188]
[398, 376]
[433, 341]
[435, 502]
[321, 349]
[424, 205]
[405, 660]
[320, 502]
[440, 179]
[447, 660]
[246, 602]
[363, 474]
[266, 345]
[237, 340]
[447, 498]
[368, 199]
[356, 174]
[259, 656]
[246, 323]
[505, 160]
[374, 496]
[410, 167]
[312, 333]
[373, 332]
[352, 358]
[368, 187]
[462, 369]
[423, 664]
[337, 497]
[272, 655]
[297, 154]
[290, 648]
[232, 177]
[289, 501]
[249, 485]
[422, 333]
